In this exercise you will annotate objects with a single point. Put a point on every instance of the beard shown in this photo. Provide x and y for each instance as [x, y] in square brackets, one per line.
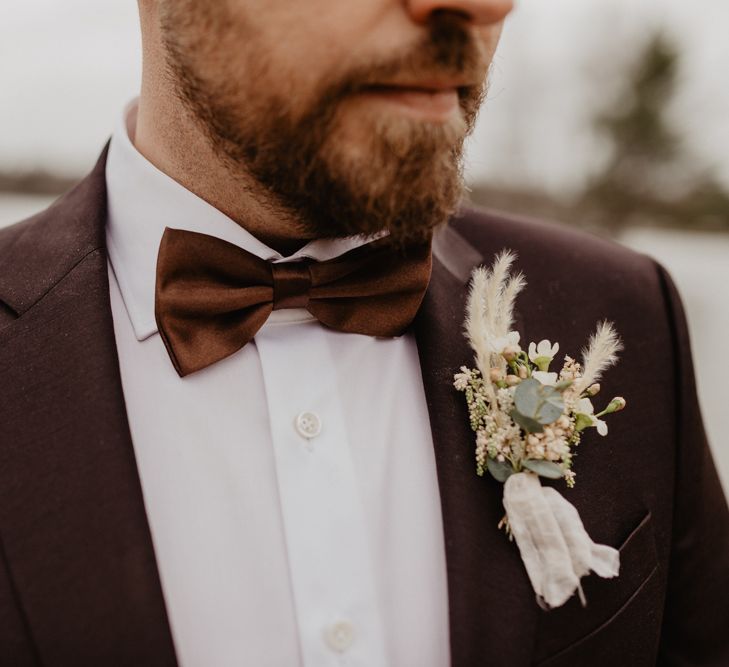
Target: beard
[404, 176]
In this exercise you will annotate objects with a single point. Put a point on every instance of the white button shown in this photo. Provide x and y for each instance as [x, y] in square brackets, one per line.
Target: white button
[308, 425]
[339, 637]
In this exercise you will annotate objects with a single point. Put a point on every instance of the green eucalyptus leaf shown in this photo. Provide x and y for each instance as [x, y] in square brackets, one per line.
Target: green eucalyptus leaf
[527, 423]
[526, 397]
[500, 471]
[543, 468]
[552, 407]
[538, 402]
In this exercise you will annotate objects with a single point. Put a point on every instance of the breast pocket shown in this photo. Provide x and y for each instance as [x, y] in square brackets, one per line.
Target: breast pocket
[561, 630]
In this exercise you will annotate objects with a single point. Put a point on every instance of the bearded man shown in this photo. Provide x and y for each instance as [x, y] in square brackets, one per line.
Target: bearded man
[230, 434]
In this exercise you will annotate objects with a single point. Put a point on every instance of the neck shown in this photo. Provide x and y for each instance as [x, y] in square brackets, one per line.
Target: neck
[173, 141]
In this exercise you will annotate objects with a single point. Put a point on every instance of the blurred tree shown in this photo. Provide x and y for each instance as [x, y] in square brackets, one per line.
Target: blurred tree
[649, 178]
[35, 182]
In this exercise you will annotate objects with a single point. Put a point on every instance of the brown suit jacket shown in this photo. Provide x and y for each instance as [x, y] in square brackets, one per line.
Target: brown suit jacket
[78, 579]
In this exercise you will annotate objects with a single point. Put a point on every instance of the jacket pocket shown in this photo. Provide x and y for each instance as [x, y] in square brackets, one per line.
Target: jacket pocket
[562, 628]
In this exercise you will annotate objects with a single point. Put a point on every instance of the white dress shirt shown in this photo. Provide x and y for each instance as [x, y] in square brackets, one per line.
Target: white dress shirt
[291, 488]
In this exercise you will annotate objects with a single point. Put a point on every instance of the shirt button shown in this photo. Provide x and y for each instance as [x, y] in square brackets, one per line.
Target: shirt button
[308, 425]
[340, 636]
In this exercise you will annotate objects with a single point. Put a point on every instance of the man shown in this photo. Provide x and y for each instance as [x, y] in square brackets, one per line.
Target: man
[193, 475]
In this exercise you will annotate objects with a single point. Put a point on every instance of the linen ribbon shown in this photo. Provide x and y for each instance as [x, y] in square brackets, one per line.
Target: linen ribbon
[553, 543]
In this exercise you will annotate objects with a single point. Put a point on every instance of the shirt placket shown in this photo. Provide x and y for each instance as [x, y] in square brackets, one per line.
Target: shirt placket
[330, 560]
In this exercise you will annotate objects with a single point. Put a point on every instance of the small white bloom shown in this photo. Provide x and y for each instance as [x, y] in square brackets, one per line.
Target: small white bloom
[585, 407]
[511, 340]
[545, 350]
[461, 380]
[548, 379]
[505, 399]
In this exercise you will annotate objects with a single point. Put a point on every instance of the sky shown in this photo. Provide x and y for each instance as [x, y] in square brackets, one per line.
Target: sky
[68, 68]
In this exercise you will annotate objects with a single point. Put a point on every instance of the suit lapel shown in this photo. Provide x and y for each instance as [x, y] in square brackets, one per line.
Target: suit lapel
[72, 516]
[493, 612]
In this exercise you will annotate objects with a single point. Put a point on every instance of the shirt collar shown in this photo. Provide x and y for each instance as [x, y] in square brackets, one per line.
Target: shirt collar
[142, 201]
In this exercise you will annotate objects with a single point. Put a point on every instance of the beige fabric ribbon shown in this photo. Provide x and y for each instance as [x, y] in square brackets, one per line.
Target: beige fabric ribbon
[554, 545]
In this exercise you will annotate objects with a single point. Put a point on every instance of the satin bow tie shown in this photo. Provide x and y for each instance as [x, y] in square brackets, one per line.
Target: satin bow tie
[212, 297]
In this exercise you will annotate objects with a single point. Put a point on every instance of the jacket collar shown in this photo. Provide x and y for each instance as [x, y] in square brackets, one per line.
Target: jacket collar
[37, 253]
[72, 516]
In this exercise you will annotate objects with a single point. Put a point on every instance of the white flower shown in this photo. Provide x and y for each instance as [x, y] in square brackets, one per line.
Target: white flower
[505, 399]
[542, 355]
[511, 340]
[461, 380]
[585, 407]
[544, 349]
[548, 379]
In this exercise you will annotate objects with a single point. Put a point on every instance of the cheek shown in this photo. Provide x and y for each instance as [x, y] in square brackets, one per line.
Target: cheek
[490, 37]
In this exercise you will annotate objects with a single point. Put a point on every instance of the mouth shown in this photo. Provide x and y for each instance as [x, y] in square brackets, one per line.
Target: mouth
[435, 101]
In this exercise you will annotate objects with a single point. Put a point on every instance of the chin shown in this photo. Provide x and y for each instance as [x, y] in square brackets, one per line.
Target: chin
[370, 135]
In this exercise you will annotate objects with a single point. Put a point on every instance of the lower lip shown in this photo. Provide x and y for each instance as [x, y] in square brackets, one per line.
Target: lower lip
[432, 105]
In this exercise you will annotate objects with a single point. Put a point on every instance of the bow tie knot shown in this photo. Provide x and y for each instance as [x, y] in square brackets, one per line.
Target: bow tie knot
[291, 284]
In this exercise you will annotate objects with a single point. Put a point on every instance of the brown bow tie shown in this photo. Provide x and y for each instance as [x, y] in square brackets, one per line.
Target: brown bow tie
[212, 297]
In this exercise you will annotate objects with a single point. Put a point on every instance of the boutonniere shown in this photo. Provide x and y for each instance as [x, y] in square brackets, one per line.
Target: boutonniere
[528, 420]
